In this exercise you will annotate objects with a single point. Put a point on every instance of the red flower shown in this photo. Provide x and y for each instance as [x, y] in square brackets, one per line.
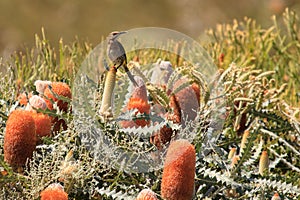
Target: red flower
[179, 171]
[20, 138]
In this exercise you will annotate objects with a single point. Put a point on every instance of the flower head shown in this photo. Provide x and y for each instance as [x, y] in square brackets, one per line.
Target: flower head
[146, 194]
[36, 102]
[43, 124]
[54, 191]
[138, 101]
[179, 171]
[23, 98]
[59, 89]
[41, 86]
[263, 163]
[187, 100]
[20, 138]
[276, 196]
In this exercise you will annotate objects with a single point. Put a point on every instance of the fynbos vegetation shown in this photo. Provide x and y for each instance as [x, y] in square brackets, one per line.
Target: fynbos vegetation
[256, 154]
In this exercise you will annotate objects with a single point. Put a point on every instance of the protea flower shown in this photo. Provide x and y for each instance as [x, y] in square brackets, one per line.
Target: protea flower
[146, 194]
[263, 163]
[54, 192]
[179, 171]
[20, 138]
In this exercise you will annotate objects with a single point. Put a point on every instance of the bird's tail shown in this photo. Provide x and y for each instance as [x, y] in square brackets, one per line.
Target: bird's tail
[131, 77]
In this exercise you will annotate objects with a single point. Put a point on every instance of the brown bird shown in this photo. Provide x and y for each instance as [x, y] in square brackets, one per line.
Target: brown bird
[116, 53]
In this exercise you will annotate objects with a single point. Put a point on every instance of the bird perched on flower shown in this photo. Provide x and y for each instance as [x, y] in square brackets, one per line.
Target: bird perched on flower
[116, 53]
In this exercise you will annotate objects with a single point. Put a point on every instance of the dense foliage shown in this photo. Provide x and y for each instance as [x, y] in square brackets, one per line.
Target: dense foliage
[256, 153]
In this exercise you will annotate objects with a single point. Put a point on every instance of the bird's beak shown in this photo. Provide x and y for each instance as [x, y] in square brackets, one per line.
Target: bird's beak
[122, 32]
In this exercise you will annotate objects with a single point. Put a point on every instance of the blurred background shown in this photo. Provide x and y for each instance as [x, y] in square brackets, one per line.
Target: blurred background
[92, 19]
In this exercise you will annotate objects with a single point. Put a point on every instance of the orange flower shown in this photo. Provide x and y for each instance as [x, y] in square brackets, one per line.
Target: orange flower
[54, 192]
[42, 121]
[60, 89]
[276, 196]
[138, 101]
[23, 98]
[139, 104]
[20, 138]
[179, 171]
[42, 124]
[143, 107]
[146, 194]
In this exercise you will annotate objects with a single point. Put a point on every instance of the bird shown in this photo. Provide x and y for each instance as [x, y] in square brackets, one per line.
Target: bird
[116, 53]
